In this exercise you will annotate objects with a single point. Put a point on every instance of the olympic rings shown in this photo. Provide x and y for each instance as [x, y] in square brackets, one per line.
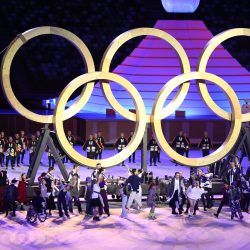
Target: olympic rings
[224, 149]
[8, 58]
[118, 42]
[201, 67]
[140, 119]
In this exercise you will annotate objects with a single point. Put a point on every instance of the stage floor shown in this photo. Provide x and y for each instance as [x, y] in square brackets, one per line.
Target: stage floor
[203, 231]
[166, 167]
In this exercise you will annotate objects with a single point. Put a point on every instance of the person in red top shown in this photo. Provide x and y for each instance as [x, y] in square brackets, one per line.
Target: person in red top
[22, 191]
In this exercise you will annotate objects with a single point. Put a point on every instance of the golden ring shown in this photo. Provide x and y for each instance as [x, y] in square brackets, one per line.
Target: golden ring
[232, 137]
[140, 119]
[8, 58]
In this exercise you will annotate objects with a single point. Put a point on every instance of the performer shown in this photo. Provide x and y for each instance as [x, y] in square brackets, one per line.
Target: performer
[151, 200]
[134, 181]
[96, 172]
[180, 143]
[38, 135]
[71, 140]
[62, 201]
[32, 148]
[22, 191]
[103, 193]
[225, 199]
[51, 158]
[133, 155]
[194, 194]
[75, 190]
[245, 187]
[24, 140]
[19, 148]
[98, 146]
[153, 148]
[101, 144]
[205, 144]
[10, 197]
[51, 188]
[175, 190]
[124, 196]
[233, 174]
[120, 144]
[10, 152]
[188, 145]
[234, 196]
[90, 146]
[2, 146]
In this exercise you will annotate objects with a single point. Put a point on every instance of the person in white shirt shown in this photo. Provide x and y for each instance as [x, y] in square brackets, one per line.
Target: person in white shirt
[193, 194]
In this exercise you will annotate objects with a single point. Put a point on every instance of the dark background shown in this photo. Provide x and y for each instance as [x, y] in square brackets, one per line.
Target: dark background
[46, 64]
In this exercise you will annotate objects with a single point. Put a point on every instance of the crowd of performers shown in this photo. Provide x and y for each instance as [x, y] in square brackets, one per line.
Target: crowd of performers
[13, 149]
[182, 196]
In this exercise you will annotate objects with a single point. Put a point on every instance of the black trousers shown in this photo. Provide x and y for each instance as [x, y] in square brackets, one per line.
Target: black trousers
[31, 157]
[61, 203]
[105, 202]
[153, 157]
[118, 153]
[99, 154]
[222, 204]
[132, 156]
[180, 151]
[77, 203]
[187, 152]
[22, 155]
[51, 161]
[159, 156]
[18, 157]
[10, 206]
[91, 155]
[10, 159]
[1, 158]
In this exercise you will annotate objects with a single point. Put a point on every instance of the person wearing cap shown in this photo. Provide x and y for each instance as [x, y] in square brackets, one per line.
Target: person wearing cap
[10, 198]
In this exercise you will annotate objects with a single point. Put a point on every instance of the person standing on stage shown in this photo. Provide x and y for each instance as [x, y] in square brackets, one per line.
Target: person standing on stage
[151, 200]
[103, 193]
[225, 199]
[51, 158]
[133, 155]
[205, 144]
[90, 146]
[98, 146]
[180, 143]
[153, 148]
[71, 140]
[32, 148]
[120, 144]
[124, 196]
[134, 181]
[24, 140]
[233, 174]
[62, 201]
[75, 192]
[175, 191]
[2, 145]
[22, 190]
[38, 135]
[10, 152]
[19, 149]
[235, 196]
[10, 198]
[188, 145]
[101, 144]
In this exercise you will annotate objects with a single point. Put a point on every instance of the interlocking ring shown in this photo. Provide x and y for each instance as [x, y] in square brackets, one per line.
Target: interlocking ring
[140, 119]
[118, 42]
[15, 46]
[225, 148]
[202, 64]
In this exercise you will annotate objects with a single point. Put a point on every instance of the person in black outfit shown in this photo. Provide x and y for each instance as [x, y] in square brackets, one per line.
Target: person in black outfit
[101, 144]
[233, 174]
[10, 198]
[180, 143]
[120, 144]
[71, 140]
[175, 192]
[153, 148]
[205, 144]
[188, 144]
[225, 199]
[90, 146]
[133, 155]
[61, 202]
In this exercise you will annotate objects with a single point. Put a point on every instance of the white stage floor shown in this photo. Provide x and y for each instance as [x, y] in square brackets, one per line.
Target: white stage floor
[166, 167]
[137, 232]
